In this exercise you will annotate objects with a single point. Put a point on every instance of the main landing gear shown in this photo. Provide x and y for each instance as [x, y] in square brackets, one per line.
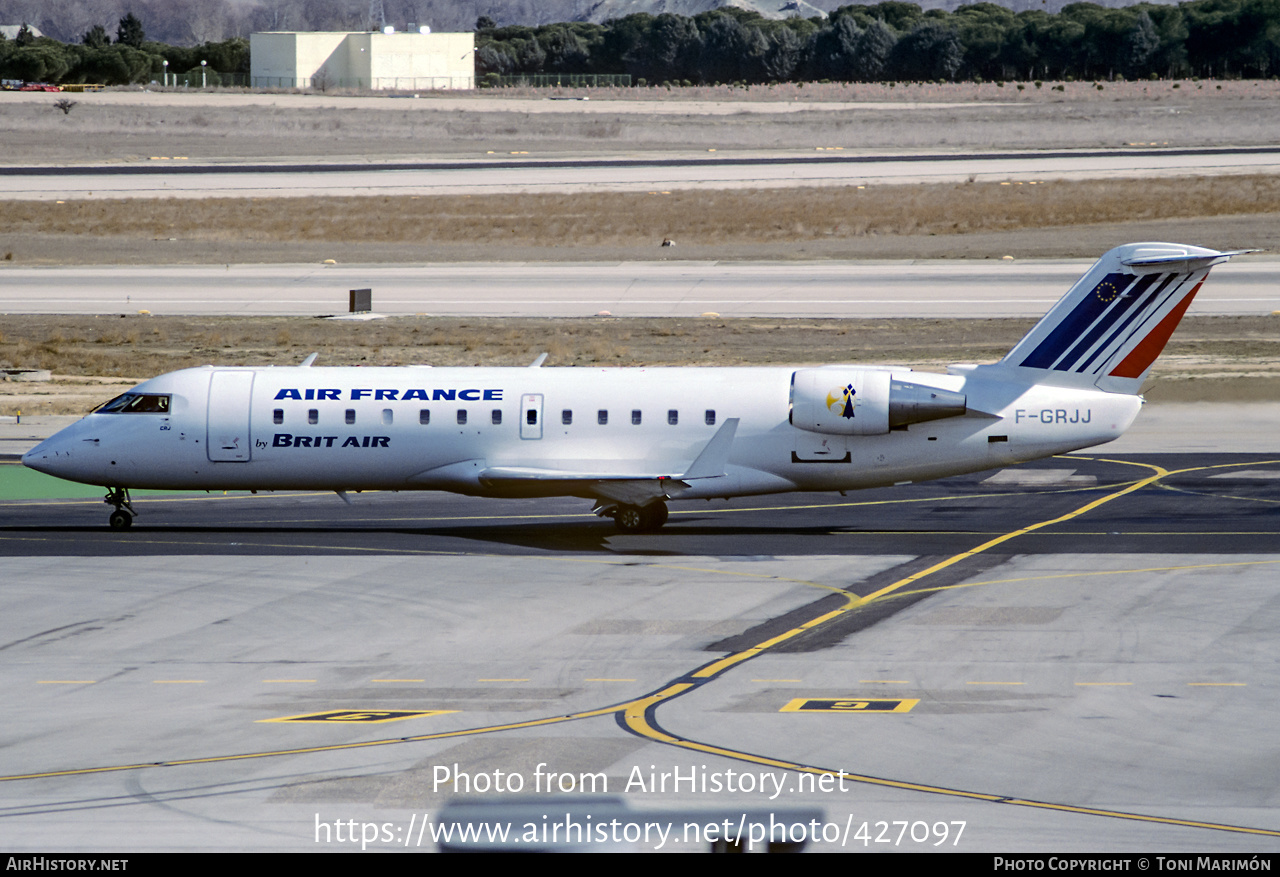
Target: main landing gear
[640, 519]
[122, 517]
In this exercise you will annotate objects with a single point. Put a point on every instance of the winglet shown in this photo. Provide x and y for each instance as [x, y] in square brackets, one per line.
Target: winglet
[715, 456]
[306, 363]
[537, 363]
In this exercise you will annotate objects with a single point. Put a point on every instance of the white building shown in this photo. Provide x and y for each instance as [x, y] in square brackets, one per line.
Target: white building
[362, 60]
[11, 31]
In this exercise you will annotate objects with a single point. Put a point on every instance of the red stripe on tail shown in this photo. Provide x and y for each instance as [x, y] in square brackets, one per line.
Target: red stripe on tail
[1141, 357]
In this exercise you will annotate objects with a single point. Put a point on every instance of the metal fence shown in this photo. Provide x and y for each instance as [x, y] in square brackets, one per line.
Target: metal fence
[566, 80]
[207, 79]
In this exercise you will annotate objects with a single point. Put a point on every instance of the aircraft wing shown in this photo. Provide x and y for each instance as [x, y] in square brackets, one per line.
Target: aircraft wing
[630, 488]
[627, 489]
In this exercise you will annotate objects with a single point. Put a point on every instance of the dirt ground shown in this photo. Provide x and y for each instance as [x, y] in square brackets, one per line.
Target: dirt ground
[968, 220]
[1218, 358]
[1260, 231]
[95, 358]
[135, 125]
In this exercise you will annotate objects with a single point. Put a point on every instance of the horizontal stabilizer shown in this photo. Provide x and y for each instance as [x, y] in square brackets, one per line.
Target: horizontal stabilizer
[1179, 261]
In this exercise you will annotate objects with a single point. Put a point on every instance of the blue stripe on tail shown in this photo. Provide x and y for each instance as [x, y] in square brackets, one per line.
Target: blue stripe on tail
[1091, 307]
[1141, 311]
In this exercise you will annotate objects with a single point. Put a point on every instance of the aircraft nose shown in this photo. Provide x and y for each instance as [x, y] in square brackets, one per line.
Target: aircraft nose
[43, 458]
[61, 456]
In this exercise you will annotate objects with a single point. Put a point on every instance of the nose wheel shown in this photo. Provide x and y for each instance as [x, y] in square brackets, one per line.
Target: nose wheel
[122, 517]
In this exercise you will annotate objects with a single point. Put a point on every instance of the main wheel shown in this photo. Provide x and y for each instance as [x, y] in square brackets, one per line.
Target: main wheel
[120, 520]
[657, 513]
[629, 519]
[634, 519]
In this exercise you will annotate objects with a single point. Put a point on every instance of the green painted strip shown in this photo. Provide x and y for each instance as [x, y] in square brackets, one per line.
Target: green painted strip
[19, 482]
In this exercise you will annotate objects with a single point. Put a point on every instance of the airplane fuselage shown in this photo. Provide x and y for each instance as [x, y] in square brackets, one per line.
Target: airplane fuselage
[632, 439]
[443, 428]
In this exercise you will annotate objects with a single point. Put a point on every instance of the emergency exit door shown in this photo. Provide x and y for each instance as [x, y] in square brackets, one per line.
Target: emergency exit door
[531, 416]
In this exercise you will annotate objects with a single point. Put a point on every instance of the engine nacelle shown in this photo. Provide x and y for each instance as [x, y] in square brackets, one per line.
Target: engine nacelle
[863, 401]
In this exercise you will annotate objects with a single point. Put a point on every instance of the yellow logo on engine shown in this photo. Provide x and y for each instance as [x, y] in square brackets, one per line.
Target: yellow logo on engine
[840, 401]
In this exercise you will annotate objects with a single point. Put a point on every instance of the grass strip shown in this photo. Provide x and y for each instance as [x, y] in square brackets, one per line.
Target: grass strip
[693, 217]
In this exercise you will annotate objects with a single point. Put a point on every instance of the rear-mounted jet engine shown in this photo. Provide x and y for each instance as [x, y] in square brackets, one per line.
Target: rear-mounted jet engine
[852, 401]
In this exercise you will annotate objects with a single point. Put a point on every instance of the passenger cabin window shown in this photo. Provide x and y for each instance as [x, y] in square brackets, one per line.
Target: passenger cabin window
[351, 415]
[313, 416]
[673, 417]
[566, 417]
[387, 416]
[497, 417]
[136, 403]
[424, 416]
[602, 417]
[635, 417]
[462, 417]
[277, 416]
[711, 417]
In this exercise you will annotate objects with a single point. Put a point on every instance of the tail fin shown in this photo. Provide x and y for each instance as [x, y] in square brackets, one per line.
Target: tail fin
[1110, 327]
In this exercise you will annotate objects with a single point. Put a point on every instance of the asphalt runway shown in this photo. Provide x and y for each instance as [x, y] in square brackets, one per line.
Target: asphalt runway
[939, 288]
[172, 177]
[1075, 655]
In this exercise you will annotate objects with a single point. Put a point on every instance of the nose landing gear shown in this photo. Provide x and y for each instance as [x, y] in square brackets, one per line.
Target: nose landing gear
[122, 517]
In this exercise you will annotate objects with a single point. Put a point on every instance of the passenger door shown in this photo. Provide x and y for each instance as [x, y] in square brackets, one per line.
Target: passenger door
[227, 437]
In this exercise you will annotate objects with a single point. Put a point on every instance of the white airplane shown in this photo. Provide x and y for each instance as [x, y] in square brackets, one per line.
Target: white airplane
[632, 439]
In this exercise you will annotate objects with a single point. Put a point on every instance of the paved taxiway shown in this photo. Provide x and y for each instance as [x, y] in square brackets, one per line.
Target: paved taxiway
[502, 174]
[1085, 644]
[939, 288]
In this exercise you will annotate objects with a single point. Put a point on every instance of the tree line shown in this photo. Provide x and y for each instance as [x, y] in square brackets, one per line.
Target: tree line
[129, 57]
[898, 41]
[889, 41]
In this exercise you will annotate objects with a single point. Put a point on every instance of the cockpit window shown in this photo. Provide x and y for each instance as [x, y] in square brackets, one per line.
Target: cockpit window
[136, 403]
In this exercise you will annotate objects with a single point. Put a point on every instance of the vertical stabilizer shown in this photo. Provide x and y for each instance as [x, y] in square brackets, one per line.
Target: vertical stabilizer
[1109, 329]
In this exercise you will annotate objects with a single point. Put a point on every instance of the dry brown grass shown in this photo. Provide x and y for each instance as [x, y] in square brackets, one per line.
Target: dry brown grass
[132, 126]
[691, 217]
[140, 346]
[1209, 359]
